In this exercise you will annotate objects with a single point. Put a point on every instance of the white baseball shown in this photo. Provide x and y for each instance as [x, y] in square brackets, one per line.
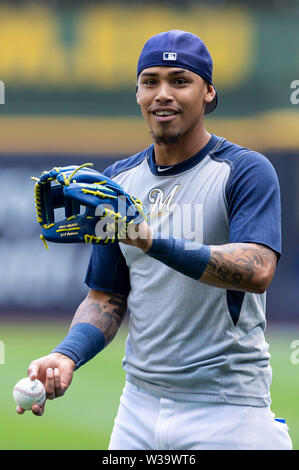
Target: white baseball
[28, 392]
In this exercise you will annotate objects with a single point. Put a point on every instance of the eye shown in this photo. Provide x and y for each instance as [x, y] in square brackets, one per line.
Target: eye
[149, 82]
[180, 81]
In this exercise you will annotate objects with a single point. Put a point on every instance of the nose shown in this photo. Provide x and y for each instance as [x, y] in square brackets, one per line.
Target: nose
[164, 94]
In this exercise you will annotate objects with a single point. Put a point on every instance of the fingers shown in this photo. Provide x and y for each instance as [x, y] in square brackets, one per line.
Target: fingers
[54, 388]
[33, 370]
[38, 410]
[57, 383]
[50, 387]
[55, 372]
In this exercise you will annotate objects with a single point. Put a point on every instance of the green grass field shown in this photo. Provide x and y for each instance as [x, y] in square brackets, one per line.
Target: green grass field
[83, 418]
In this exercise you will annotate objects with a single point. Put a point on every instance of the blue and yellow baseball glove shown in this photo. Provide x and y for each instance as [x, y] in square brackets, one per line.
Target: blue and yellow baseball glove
[108, 209]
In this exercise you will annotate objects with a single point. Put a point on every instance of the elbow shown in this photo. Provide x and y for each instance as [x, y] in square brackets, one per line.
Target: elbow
[263, 280]
[259, 289]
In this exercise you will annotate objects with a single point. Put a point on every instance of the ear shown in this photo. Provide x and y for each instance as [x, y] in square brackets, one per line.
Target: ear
[211, 92]
[137, 94]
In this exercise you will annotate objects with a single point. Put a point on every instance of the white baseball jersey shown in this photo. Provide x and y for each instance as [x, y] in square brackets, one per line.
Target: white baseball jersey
[188, 340]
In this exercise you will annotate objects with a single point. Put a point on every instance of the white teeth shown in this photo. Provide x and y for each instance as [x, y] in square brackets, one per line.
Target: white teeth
[164, 113]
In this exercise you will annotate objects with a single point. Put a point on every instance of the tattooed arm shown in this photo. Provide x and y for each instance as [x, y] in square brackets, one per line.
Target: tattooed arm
[247, 267]
[104, 310]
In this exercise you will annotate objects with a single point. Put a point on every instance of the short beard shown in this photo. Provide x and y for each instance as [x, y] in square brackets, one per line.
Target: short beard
[166, 139]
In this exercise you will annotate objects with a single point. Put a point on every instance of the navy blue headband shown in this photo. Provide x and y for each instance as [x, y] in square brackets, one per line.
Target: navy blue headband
[181, 49]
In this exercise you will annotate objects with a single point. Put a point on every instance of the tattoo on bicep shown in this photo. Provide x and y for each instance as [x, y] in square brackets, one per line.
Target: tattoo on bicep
[237, 263]
[106, 314]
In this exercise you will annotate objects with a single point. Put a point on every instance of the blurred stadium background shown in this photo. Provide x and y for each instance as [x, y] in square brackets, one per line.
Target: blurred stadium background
[69, 70]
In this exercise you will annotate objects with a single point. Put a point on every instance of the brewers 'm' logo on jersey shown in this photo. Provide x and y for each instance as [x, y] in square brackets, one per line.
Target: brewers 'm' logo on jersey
[160, 202]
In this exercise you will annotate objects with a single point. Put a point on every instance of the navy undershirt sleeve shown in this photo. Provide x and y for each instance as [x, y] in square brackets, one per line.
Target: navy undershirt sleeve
[253, 198]
[107, 269]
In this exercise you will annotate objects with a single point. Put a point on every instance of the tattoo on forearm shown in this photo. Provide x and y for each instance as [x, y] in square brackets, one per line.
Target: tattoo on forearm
[106, 314]
[237, 263]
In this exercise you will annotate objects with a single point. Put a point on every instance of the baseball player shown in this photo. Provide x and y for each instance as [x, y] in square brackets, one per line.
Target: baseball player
[193, 274]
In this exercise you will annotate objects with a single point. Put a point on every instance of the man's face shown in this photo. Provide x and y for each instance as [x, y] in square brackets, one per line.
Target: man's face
[172, 101]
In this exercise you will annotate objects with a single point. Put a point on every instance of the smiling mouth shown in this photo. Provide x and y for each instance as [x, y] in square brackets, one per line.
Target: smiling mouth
[165, 116]
[165, 113]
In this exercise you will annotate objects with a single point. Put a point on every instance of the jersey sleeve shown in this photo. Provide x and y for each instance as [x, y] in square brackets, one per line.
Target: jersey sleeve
[253, 198]
[107, 269]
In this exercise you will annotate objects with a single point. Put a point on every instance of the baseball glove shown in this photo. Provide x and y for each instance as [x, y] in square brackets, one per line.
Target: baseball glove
[108, 209]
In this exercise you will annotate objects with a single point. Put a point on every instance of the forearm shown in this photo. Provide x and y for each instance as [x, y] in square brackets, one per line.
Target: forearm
[246, 267]
[103, 310]
[95, 324]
